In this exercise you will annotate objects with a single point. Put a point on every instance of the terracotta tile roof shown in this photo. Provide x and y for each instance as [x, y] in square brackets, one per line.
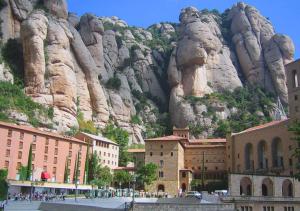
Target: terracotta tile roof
[40, 132]
[136, 150]
[124, 168]
[204, 145]
[215, 140]
[167, 138]
[99, 138]
[259, 127]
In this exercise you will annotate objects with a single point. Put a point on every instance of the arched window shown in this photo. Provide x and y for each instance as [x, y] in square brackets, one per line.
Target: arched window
[249, 162]
[287, 188]
[246, 186]
[183, 187]
[262, 152]
[277, 153]
[267, 187]
[295, 78]
[161, 188]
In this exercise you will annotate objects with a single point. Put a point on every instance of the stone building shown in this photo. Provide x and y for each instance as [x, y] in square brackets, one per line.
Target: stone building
[293, 80]
[180, 160]
[138, 157]
[107, 150]
[51, 153]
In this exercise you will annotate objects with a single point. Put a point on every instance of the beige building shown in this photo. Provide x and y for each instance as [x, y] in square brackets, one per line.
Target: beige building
[107, 150]
[293, 80]
[180, 160]
[266, 149]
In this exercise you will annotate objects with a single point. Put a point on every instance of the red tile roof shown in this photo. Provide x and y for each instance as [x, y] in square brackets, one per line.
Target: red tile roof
[259, 127]
[216, 140]
[167, 138]
[37, 131]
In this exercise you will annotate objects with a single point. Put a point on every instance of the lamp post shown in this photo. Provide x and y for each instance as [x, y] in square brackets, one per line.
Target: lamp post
[76, 186]
[133, 182]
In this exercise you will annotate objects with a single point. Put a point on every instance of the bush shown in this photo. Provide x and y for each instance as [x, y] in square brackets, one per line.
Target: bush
[85, 126]
[136, 120]
[113, 83]
[13, 97]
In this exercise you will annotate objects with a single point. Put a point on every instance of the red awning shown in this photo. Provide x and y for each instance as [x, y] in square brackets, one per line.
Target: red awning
[45, 175]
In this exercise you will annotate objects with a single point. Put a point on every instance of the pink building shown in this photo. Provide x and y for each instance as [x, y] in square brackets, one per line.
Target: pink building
[50, 152]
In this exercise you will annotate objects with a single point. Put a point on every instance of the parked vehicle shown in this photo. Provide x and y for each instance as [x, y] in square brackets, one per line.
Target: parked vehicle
[195, 194]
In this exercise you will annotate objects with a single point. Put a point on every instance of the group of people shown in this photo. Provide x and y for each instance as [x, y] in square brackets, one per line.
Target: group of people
[37, 196]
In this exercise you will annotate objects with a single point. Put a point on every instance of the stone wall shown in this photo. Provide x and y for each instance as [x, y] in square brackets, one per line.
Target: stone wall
[186, 207]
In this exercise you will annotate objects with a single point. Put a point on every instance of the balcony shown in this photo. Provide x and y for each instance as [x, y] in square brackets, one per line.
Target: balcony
[278, 165]
[262, 167]
[249, 167]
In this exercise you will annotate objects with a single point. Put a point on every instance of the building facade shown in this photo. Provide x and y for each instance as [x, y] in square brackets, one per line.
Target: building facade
[51, 153]
[293, 85]
[107, 150]
[181, 160]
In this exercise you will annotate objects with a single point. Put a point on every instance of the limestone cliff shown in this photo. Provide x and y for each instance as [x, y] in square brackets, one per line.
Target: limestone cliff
[136, 78]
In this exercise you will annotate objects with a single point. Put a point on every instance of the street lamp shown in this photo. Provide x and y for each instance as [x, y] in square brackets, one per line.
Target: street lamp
[133, 196]
[76, 186]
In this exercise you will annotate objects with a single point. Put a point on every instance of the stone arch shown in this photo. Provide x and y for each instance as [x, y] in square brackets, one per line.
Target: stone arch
[287, 188]
[249, 163]
[161, 188]
[267, 187]
[262, 155]
[277, 152]
[246, 186]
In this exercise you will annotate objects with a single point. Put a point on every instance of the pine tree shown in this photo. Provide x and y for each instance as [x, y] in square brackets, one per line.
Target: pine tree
[66, 173]
[75, 175]
[86, 167]
[29, 164]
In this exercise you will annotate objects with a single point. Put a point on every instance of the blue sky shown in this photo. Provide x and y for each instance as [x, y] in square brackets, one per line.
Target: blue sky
[284, 14]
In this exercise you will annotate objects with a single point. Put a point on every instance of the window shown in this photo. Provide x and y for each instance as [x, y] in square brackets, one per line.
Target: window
[54, 171]
[108, 154]
[70, 145]
[9, 133]
[7, 153]
[6, 164]
[56, 143]
[55, 160]
[161, 174]
[44, 168]
[161, 154]
[80, 147]
[21, 135]
[21, 145]
[183, 174]
[151, 153]
[8, 142]
[216, 167]
[161, 162]
[33, 147]
[79, 163]
[32, 166]
[238, 155]
[45, 158]
[296, 84]
[108, 161]
[70, 153]
[291, 162]
[161, 146]
[47, 141]
[99, 153]
[296, 97]
[33, 157]
[56, 151]
[46, 149]
[19, 155]
[34, 138]
[19, 165]
[171, 154]
[296, 109]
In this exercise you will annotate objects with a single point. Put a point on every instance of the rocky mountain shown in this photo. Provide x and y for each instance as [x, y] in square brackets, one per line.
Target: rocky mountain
[98, 70]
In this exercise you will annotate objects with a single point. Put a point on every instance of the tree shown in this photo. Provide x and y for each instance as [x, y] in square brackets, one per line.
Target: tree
[29, 164]
[22, 172]
[66, 173]
[86, 166]
[295, 128]
[3, 184]
[75, 175]
[123, 177]
[103, 176]
[93, 166]
[147, 173]
[121, 137]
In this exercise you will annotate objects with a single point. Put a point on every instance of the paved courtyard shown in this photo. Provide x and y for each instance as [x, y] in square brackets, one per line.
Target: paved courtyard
[109, 203]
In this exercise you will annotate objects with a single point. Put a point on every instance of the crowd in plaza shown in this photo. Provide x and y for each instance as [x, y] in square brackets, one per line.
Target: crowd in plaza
[36, 196]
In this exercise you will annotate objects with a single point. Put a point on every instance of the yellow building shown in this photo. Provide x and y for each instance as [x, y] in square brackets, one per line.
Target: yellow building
[180, 160]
